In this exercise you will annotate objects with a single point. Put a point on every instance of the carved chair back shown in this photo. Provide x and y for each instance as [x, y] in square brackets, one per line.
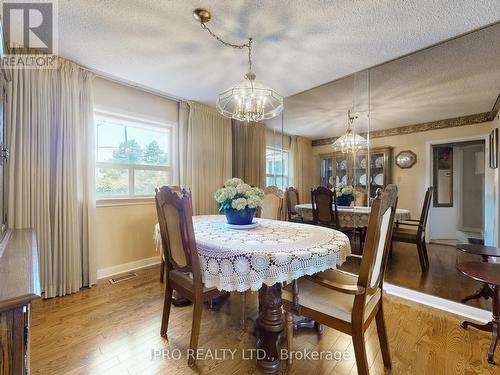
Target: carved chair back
[361, 197]
[324, 210]
[272, 205]
[425, 211]
[291, 200]
[175, 217]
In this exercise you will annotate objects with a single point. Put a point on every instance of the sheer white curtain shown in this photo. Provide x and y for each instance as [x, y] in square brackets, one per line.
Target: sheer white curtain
[205, 153]
[301, 175]
[51, 171]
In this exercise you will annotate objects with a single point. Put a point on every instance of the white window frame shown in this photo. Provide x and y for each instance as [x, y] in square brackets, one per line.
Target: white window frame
[141, 122]
[274, 176]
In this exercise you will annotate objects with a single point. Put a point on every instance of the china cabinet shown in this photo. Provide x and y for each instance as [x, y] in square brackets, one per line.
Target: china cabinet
[359, 169]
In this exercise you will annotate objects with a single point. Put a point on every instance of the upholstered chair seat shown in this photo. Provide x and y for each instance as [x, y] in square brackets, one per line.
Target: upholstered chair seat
[314, 295]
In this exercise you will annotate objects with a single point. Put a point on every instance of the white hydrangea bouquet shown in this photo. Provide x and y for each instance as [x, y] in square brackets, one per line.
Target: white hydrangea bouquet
[238, 201]
[345, 194]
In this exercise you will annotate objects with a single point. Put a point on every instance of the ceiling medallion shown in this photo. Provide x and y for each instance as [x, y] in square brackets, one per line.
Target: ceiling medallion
[350, 142]
[248, 100]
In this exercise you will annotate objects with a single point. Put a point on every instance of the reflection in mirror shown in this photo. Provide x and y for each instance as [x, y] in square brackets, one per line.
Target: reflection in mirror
[443, 176]
[437, 96]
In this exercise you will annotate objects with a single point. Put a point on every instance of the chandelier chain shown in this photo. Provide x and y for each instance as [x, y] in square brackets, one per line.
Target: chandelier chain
[232, 45]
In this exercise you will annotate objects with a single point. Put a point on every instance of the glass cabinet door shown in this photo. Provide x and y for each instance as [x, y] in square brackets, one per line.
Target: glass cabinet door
[377, 172]
[366, 172]
[360, 176]
[341, 169]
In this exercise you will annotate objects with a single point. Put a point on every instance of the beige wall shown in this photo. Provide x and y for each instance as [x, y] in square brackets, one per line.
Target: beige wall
[124, 230]
[113, 96]
[124, 234]
[411, 182]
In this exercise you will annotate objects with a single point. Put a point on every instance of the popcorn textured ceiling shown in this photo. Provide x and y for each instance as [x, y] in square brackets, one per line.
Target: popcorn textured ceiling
[299, 44]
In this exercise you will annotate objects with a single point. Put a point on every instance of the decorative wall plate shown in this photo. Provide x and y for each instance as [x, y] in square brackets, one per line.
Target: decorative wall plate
[363, 163]
[406, 159]
[362, 179]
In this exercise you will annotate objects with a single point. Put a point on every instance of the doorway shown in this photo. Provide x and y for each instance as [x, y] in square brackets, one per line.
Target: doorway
[458, 180]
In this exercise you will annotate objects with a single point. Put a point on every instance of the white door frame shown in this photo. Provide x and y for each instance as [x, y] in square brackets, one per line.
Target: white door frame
[490, 200]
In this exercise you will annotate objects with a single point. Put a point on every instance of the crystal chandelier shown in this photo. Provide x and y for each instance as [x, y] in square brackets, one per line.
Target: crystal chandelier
[350, 142]
[248, 100]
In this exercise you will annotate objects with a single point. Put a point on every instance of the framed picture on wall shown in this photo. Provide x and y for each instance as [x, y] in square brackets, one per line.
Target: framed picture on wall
[494, 148]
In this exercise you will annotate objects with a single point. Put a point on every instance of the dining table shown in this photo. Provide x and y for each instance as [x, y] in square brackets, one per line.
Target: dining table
[261, 259]
[351, 216]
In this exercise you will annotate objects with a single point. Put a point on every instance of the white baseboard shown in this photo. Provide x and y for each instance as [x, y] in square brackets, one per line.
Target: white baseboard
[127, 267]
[457, 308]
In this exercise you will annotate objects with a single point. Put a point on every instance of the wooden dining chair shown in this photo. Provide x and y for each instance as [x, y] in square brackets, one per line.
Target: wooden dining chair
[272, 205]
[291, 200]
[177, 189]
[349, 303]
[181, 261]
[413, 231]
[325, 212]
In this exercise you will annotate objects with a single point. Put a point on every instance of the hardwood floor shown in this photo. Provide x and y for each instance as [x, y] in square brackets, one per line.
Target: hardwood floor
[113, 329]
[442, 280]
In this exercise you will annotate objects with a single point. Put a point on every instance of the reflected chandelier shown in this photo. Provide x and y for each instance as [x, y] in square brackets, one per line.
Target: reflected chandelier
[350, 142]
[248, 100]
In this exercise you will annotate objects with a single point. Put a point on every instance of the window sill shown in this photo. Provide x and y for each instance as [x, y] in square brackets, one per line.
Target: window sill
[135, 201]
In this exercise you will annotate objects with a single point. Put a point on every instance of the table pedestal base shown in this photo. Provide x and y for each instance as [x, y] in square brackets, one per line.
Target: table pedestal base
[269, 328]
[493, 326]
[484, 292]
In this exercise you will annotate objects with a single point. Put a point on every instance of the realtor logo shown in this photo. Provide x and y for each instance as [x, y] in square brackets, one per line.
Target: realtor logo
[30, 28]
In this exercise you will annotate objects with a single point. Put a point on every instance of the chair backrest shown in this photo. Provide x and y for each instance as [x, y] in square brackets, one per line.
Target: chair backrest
[361, 197]
[378, 240]
[291, 200]
[177, 189]
[425, 211]
[323, 207]
[175, 216]
[272, 205]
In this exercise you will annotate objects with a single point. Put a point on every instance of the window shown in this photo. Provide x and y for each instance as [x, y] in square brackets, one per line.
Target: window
[276, 167]
[132, 156]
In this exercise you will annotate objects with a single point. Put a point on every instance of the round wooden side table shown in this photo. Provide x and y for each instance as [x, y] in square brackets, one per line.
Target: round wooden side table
[489, 274]
[485, 252]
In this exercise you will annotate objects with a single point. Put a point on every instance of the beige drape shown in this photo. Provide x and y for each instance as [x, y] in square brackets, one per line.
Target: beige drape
[205, 147]
[49, 123]
[301, 174]
[249, 152]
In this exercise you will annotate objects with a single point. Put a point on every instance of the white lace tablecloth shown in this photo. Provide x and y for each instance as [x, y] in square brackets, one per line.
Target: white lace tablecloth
[351, 217]
[275, 251]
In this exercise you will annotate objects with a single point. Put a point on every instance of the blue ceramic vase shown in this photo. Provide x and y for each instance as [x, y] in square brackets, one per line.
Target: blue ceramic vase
[344, 200]
[239, 217]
